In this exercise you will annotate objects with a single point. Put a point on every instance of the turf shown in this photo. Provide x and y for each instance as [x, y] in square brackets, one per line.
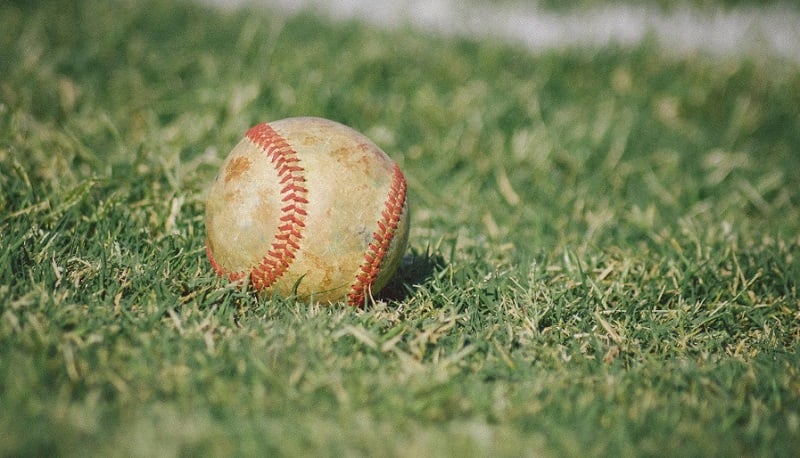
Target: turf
[604, 257]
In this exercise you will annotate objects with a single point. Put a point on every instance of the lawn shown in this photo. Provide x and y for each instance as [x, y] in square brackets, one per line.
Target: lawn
[604, 255]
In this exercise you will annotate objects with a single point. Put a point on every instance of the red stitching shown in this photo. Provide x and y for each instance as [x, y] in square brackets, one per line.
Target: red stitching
[381, 239]
[232, 276]
[293, 214]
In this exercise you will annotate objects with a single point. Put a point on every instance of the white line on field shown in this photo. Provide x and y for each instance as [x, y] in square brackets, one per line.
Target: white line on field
[772, 30]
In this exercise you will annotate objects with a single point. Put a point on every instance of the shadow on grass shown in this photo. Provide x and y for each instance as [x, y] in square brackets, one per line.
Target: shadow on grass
[416, 269]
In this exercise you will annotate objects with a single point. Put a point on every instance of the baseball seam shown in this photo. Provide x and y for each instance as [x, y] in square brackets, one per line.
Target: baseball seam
[218, 268]
[293, 211]
[381, 239]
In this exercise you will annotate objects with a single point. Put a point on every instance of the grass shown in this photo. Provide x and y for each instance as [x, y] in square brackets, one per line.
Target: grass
[603, 261]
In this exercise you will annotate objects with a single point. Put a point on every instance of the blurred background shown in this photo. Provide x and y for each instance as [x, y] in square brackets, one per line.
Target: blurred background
[724, 27]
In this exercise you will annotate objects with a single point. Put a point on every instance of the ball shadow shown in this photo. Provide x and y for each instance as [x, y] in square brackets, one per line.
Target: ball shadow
[416, 269]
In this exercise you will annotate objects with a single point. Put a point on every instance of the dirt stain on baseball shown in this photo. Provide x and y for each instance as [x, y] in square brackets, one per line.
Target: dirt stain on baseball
[310, 140]
[353, 158]
[236, 168]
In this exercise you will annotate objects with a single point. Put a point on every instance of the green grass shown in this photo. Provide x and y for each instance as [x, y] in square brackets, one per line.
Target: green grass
[604, 257]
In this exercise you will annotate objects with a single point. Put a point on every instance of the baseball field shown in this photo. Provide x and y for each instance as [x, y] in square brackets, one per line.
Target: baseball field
[603, 260]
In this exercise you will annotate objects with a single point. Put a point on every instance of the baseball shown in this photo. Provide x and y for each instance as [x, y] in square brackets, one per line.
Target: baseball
[310, 207]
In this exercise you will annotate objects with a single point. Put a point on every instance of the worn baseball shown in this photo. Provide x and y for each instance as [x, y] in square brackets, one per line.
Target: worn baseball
[309, 207]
